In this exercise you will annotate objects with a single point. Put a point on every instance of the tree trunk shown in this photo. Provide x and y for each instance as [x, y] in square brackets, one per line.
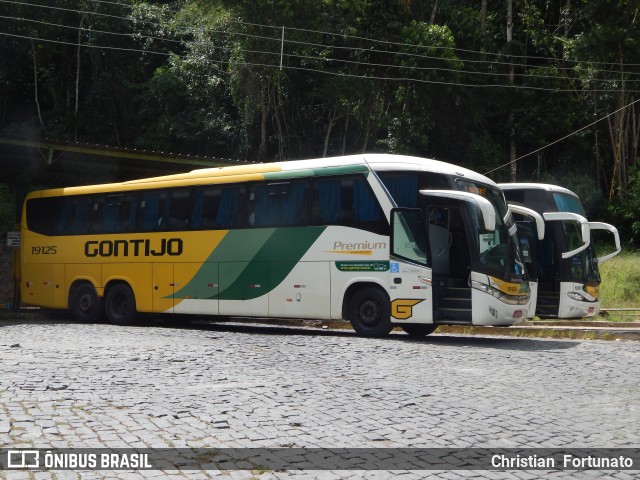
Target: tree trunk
[276, 101]
[35, 85]
[512, 127]
[344, 136]
[434, 11]
[565, 18]
[332, 120]
[483, 19]
[262, 148]
[636, 133]
[75, 111]
[616, 129]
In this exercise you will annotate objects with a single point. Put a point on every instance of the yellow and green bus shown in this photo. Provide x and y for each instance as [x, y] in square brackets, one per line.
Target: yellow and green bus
[378, 240]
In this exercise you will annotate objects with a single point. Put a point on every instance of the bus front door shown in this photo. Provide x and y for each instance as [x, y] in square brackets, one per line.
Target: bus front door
[411, 289]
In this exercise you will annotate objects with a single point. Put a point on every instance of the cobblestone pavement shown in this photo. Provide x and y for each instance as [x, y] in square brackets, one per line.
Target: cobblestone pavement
[69, 385]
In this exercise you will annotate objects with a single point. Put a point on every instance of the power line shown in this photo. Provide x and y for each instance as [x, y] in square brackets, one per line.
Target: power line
[277, 38]
[563, 138]
[305, 57]
[61, 42]
[455, 49]
[91, 30]
[387, 42]
[325, 72]
[322, 59]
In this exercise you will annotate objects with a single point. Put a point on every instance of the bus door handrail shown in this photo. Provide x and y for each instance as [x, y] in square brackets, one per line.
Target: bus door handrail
[584, 225]
[485, 206]
[616, 237]
[533, 214]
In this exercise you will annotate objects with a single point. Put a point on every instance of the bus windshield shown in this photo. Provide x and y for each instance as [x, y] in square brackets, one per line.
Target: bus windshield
[498, 251]
[584, 265]
[492, 252]
[568, 203]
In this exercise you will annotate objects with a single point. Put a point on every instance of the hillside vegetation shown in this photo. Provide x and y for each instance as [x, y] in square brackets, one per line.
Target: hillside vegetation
[543, 90]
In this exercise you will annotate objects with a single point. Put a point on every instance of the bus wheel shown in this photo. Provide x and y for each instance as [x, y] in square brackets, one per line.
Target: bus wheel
[85, 304]
[369, 312]
[419, 329]
[120, 305]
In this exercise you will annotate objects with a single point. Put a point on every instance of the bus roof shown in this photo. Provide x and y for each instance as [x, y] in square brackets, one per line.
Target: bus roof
[282, 170]
[536, 186]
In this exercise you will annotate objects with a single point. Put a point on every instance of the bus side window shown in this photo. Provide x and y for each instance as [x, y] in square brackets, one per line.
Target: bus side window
[96, 221]
[42, 214]
[347, 201]
[229, 212]
[199, 213]
[279, 204]
[118, 213]
[64, 220]
[326, 201]
[176, 210]
[149, 208]
[402, 187]
[80, 211]
[365, 204]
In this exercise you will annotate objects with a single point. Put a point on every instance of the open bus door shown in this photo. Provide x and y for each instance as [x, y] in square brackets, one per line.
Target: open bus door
[411, 276]
[451, 234]
[423, 268]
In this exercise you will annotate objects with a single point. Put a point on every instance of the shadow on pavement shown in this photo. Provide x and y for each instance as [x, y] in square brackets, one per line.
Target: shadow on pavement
[298, 327]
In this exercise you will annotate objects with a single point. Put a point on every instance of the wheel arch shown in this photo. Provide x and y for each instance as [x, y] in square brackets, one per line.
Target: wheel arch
[77, 282]
[139, 278]
[353, 288]
[117, 281]
[117, 310]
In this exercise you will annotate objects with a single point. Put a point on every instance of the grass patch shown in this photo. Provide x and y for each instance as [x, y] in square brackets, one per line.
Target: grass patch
[620, 285]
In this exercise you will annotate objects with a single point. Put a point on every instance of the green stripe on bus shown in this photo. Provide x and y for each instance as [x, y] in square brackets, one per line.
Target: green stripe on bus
[335, 170]
[251, 263]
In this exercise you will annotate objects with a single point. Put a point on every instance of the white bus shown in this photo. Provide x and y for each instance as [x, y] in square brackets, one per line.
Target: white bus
[560, 255]
[379, 240]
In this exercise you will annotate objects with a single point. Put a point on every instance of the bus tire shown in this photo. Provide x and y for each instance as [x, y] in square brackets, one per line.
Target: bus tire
[418, 330]
[85, 304]
[120, 305]
[370, 312]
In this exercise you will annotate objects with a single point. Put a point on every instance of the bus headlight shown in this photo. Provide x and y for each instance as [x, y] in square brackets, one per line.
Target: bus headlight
[503, 297]
[576, 296]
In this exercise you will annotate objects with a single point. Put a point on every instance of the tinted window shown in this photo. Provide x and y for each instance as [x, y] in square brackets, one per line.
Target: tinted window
[42, 215]
[162, 210]
[405, 187]
[118, 214]
[216, 207]
[346, 201]
[278, 203]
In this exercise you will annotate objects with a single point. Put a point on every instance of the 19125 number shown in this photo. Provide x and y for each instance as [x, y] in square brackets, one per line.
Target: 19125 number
[44, 250]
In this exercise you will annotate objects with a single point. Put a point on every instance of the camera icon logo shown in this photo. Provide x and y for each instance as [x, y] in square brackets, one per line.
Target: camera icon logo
[23, 459]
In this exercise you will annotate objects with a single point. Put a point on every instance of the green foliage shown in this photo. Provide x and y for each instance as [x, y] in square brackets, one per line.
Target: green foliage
[7, 209]
[436, 79]
[620, 280]
[414, 113]
[624, 210]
